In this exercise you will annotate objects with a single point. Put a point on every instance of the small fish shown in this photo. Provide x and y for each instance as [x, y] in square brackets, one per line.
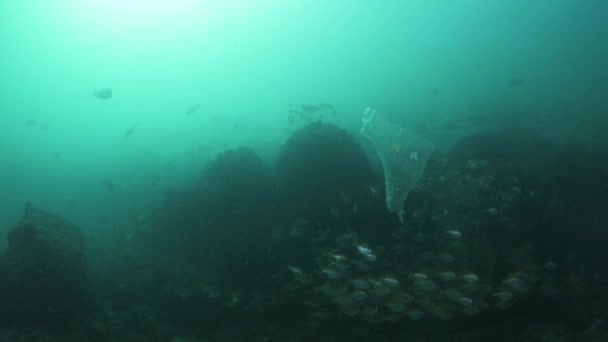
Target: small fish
[296, 272]
[192, 110]
[504, 305]
[107, 185]
[447, 276]
[342, 265]
[358, 295]
[323, 314]
[338, 257]
[395, 307]
[379, 290]
[130, 130]
[349, 310]
[345, 198]
[30, 122]
[425, 286]
[492, 211]
[369, 310]
[366, 253]
[470, 311]
[454, 234]
[334, 212]
[419, 276]
[434, 91]
[333, 289]
[345, 301]
[360, 284]
[70, 200]
[550, 266]
[402, 298]
[517, 284]
[363, 265]
[393, 318]
[103, 93]
[331, 274]
[516, 82]
[503, 296]
[447, 258]
[452, 294]
[325, 105]
[470, 278]
[373, 190]
[390, 282]
[309, 108]
[415, 315]
[464, 301]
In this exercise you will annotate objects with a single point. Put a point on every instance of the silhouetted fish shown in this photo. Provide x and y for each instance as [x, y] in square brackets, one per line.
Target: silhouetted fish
[192, 109]
[103, 93]
[131, 129]
[107, 185]
[434, 92]
[30, 122]
[516, 82]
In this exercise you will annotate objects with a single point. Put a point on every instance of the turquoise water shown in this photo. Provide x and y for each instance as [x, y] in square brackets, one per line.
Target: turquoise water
[191, 79]
[243, 62]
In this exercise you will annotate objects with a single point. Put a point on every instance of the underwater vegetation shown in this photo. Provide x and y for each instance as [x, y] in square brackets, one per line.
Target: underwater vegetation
[500, 238]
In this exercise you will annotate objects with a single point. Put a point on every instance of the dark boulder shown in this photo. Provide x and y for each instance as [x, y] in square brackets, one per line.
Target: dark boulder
[319, 167]
[223, 219]
[46, 272]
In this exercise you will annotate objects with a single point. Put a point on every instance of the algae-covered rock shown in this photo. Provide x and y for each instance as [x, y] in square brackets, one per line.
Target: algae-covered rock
[222, 220]
[46, 272]
[319, 167]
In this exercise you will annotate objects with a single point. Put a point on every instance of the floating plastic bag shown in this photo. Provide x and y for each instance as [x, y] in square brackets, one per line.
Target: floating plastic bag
[403, 154]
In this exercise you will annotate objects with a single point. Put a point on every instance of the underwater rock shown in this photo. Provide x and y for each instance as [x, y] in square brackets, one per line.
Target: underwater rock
[321, 165]
[223, 218]
[3, 284]
[47, 272]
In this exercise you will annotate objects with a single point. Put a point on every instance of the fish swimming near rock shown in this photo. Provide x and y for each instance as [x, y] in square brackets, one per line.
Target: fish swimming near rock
[103, 93]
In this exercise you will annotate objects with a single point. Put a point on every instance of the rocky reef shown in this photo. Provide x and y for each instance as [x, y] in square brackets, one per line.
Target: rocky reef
[45, 272]
[501, 239]
[221, 221]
